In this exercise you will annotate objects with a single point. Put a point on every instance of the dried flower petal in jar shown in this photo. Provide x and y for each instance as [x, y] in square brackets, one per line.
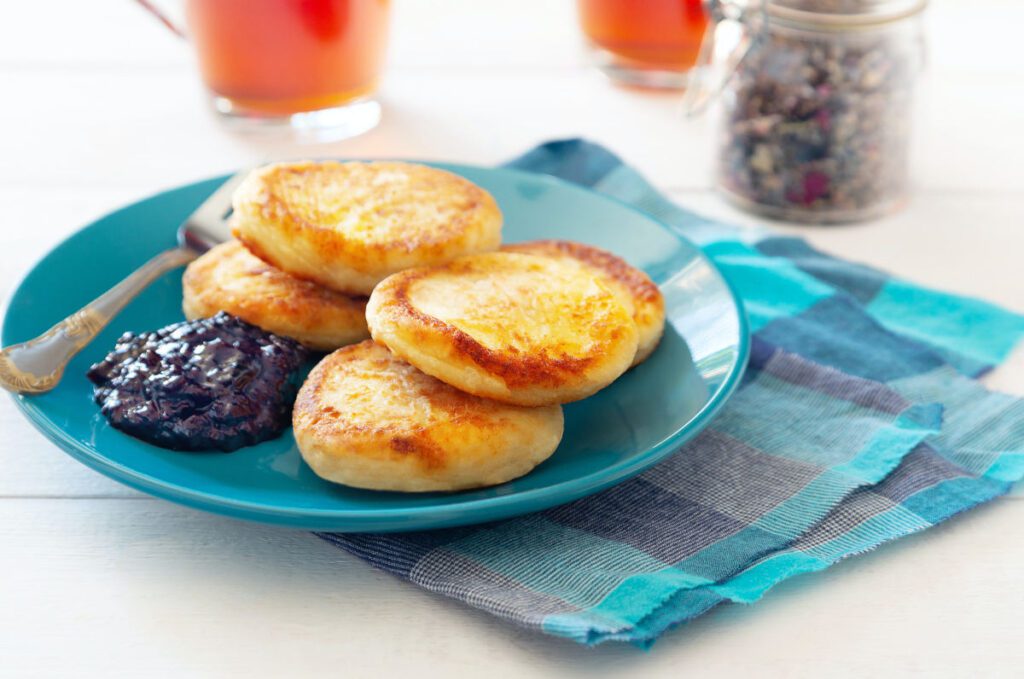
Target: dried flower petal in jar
[817, 114]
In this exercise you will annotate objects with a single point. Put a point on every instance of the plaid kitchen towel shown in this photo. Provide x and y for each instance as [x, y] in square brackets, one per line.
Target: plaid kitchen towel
[858, 422]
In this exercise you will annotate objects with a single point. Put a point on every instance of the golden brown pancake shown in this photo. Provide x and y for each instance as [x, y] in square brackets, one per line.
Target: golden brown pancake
[517, 328]
[368, 419]
[634, 288]
[349, 225]
[228, 278]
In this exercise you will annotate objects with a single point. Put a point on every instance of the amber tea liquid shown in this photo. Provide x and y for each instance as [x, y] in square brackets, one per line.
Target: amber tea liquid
[645, 35]
[280, 57]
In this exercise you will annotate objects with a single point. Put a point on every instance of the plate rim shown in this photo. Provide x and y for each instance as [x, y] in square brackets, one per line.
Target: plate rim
[419, 518]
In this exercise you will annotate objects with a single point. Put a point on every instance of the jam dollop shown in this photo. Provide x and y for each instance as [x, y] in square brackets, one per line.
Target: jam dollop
[213, 383]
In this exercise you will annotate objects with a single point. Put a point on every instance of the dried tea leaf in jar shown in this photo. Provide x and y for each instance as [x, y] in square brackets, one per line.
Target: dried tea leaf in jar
[817, 114]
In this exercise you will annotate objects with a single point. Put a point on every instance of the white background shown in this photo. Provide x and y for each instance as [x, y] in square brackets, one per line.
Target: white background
[101, 106]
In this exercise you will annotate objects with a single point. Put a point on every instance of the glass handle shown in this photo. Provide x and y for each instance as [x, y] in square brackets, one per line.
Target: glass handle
[710, 75]
[162, 17]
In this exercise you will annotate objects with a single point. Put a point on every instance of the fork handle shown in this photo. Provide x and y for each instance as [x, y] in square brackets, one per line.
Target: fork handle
[36, 366]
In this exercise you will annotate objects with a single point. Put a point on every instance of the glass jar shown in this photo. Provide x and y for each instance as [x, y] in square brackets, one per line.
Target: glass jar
[816, 115]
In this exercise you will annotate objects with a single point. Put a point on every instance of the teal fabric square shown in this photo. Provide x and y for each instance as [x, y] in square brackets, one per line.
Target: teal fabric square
[981, 332]
[770, 287]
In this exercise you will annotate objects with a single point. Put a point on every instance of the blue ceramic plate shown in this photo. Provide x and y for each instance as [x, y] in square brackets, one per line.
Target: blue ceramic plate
[643, 417]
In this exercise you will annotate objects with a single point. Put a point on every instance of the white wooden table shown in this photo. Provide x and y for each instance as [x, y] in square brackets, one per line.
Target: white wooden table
[102, 106]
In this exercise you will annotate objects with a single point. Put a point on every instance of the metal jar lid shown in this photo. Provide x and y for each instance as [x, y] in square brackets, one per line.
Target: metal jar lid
[748, 18]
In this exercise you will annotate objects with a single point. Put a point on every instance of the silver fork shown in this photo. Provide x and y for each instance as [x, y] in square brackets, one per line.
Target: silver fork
[36, 366]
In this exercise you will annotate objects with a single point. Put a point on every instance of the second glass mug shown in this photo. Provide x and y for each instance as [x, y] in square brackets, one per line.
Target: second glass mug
[646, 43]
[311, 65]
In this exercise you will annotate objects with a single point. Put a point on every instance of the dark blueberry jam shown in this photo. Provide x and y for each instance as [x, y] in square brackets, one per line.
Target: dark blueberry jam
[214, 383]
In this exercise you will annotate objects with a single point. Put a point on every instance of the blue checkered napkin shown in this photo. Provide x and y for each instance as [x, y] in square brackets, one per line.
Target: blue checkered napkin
[858, 422]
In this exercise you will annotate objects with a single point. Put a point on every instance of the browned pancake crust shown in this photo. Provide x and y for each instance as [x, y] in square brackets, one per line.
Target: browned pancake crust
[645, 297]
[553, 369]
[366, 418]
[515, 370]
[229, 278]
[349, 225]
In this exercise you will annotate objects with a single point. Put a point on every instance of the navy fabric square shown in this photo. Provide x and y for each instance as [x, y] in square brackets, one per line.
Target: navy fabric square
[858, 280]
[837, 333]
[638, 513]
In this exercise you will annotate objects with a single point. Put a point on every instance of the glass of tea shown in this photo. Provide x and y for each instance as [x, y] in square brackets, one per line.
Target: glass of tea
[646, 43]
[311, 65]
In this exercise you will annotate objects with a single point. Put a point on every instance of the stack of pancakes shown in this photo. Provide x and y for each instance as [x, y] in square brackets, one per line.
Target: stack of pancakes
[475, 346]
